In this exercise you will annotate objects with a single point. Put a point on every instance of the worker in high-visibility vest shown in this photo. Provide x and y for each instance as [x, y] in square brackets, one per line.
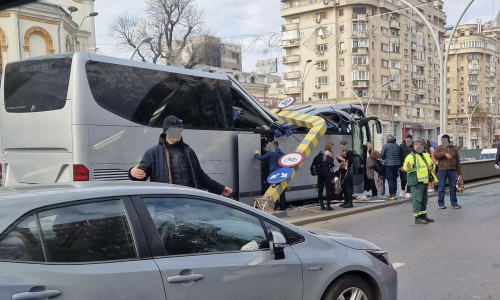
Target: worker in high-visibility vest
[418, 165]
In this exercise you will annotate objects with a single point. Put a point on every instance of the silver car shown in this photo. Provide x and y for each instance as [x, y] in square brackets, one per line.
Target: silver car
[155, 241]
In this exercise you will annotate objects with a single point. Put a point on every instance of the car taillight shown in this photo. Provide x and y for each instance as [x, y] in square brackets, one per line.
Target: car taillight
[80, 173]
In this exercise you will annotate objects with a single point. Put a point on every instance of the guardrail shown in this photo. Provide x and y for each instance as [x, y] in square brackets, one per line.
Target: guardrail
[479, 169]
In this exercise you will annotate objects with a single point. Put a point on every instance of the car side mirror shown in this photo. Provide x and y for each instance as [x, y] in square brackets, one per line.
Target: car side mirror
[277, 243]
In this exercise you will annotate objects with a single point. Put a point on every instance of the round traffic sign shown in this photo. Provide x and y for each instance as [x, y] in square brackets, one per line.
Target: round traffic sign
[286, 102]
[291, 159]
[279, 175]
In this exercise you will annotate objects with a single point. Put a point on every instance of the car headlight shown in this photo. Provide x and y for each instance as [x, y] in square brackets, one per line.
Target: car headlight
[381, 255]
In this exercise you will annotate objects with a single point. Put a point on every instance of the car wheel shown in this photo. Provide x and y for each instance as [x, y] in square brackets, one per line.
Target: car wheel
[349, 287]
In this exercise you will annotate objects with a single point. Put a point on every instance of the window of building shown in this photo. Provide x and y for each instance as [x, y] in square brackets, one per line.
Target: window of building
[360, 60]
[360, 75]
[322, 80]
[342, 94]
[358, 27]
[342, 62]
[295, 20]
[394, 48]
[323, 96]
[252, 79]
[321, 15]
[341, 12]
[359, 10]
[341, 78]
[235, 55]
[395, 64]
[384, 47]
[473, 77]
[473, 98]
[473, 88]
[362, 93]
[321, 48]
[322, 64]
[341, 28]
[385, 63]
[359, 43]
[204, 227]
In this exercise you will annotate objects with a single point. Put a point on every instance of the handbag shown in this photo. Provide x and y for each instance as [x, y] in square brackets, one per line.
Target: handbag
[460, 185]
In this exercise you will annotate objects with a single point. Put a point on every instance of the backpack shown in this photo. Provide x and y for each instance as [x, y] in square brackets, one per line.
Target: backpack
[315, 166]
[378, 167]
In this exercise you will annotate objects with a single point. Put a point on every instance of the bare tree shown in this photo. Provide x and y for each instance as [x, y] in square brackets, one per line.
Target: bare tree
[177, 29]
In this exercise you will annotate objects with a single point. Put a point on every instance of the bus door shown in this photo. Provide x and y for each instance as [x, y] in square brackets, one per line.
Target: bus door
[249, 171]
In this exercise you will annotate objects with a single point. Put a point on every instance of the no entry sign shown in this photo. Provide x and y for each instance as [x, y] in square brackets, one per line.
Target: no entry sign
[291, 159]
[286, 102]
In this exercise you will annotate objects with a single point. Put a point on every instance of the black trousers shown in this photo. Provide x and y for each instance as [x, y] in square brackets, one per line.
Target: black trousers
[402, 177]
[373, 186]
[325, 178]
[348, 189]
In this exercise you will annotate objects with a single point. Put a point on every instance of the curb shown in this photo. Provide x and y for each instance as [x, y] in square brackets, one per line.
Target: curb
[347, 212]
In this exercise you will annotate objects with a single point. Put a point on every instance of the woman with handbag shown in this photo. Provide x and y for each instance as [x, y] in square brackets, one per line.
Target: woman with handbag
[346, 171]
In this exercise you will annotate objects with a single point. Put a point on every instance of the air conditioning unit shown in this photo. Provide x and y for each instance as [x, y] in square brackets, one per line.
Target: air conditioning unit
[336, 1]
[321, 52]
[317, 85]
[341, 83]
[341, 51]
[325, 1]
[461, 93]
[318, 19]
[461, 82]
[324, 68]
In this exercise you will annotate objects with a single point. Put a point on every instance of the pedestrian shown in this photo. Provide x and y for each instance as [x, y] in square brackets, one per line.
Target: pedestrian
[370, 174]
[173, 161]
[379, 173]
[367, 149]
[429, 149]
[449, 168]
[346, 170]
[391, 154]
[418, 165]
[406, 148]
[325, 175]
[273, 155]
[497, 158]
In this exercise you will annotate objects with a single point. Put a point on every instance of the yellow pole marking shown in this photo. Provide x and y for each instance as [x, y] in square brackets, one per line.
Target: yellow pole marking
[317, 128]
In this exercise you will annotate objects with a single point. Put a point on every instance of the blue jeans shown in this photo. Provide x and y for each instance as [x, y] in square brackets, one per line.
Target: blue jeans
[391, 174]
[451, 175]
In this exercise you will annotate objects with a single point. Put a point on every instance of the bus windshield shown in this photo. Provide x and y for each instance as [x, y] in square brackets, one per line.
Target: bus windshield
[37, 85]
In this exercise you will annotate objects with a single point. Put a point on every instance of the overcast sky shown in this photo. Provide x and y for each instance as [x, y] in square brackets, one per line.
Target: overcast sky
[241, 21]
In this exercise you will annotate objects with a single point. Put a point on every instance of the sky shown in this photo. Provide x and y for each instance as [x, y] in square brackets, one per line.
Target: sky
[252, 23]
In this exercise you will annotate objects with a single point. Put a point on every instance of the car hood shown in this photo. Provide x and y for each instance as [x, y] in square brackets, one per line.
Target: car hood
[343, 239]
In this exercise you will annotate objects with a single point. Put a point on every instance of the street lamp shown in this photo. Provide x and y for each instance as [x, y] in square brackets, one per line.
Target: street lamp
[304, 75]
[371, 96]
[72, 9]
[469, 121]
[72, 48]
[145, 40]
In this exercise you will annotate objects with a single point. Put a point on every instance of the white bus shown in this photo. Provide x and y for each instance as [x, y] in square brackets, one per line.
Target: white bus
[78, 117]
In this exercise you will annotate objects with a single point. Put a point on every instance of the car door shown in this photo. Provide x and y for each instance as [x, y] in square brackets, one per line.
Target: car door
[209, 249]
[86, 250]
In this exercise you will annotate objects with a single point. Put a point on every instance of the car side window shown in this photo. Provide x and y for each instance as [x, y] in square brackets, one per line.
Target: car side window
[97, 231]
[22, 243]
[190, 226]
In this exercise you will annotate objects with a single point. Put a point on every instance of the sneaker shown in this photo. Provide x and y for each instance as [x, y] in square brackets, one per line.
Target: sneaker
[420, 221]
[442, 207]
[456, 206]
[391, 197]
[408, 195]
[402, 194]
[425, 217]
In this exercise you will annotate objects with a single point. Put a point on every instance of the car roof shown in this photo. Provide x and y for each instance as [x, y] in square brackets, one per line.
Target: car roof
[16, 201]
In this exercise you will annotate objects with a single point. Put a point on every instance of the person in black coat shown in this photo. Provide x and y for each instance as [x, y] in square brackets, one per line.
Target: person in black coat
[173, 161]
[346, 173]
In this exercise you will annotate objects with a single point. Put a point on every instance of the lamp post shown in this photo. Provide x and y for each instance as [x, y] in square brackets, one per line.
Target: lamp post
[145, 40]
[72, 9]
[371, 96]
[304, 75]
[469, 121]
[72, 48]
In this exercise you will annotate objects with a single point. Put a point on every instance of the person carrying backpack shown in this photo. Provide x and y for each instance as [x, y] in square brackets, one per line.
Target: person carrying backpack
[324, 163]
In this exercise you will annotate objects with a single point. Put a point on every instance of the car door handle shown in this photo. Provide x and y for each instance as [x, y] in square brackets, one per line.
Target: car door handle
[184, 278]
[36, 295]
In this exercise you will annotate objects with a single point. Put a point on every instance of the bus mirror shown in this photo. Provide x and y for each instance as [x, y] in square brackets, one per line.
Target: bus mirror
[378, 125]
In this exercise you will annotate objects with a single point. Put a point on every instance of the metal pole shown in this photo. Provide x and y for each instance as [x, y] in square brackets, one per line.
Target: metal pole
[444, 108]
[354, 93]
[145, 40]
[302, 80]
[392, 115]
[373, 94]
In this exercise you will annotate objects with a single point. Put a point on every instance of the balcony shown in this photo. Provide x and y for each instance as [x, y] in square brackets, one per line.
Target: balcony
[473, 82]
[473, 71]
[394, 86]
[417, 76]
[360, 50]
[418, 62]
[290, 43]
[359, 34]
[394, 55]
[360, 83]
[438, 4]
[360, 67]
[304, 7]
[293, 90]
[416, 47]
[418, 91]
[394, 24]
[356, 17]
[289, 27]
[290, 59]
[395, 71]
[292, 75]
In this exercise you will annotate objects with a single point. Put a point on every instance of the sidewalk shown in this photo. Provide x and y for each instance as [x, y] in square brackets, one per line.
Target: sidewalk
[303, 215]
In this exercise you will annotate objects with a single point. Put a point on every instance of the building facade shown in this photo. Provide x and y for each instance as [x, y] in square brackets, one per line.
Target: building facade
[368, 51]
[44, 28]
[472, 84]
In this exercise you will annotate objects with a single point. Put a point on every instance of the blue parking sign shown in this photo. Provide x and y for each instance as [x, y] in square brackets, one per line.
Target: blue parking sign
[279, 175]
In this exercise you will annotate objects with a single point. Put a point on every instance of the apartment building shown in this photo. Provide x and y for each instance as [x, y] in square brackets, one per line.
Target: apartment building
[472, 84]
[370, 51]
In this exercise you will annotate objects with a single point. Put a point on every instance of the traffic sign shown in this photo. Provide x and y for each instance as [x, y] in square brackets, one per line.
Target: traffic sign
[286, 102]
[291, 159]
[279, 175]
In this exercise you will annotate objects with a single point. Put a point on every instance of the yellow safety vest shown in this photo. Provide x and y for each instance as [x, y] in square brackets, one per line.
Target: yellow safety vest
[419, 167]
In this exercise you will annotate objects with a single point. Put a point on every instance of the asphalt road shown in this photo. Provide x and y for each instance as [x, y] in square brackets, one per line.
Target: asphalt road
[457, 257]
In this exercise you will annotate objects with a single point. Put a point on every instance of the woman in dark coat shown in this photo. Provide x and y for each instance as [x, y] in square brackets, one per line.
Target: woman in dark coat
[346, 173]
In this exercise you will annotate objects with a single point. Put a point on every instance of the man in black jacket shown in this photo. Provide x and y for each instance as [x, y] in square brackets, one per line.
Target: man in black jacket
[173, 161]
